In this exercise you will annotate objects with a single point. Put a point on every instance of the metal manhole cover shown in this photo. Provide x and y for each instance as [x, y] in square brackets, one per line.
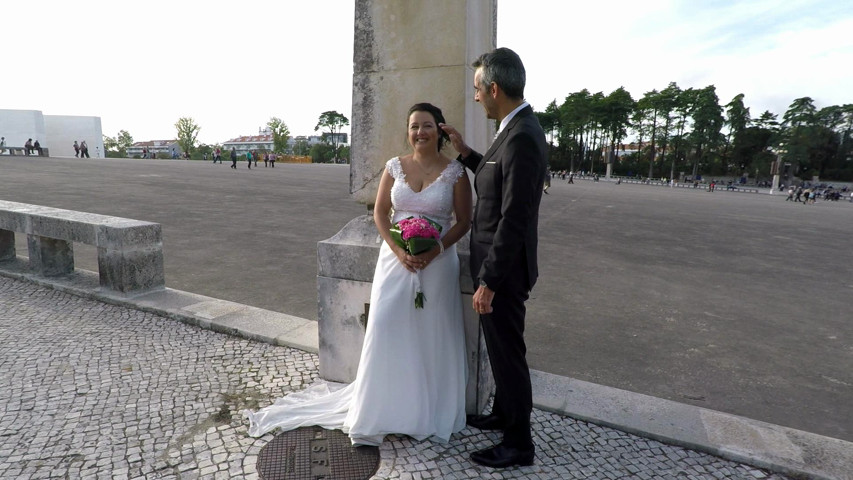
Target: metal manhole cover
[314, 453]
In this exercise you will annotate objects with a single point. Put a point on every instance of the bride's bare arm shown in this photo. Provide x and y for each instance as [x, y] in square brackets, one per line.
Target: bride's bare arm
[382, 219]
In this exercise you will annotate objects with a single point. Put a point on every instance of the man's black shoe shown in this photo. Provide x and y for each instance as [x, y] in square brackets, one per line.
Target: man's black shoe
[485, 422]
[501, 456]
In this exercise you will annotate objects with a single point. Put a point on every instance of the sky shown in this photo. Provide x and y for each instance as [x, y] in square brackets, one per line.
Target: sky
[231, 66]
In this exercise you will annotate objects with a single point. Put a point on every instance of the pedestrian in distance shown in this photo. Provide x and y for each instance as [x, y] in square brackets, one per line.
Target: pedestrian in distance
[76, 149]
[234, 158]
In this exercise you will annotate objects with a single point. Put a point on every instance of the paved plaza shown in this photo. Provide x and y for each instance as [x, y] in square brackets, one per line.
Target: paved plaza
[729, 301]
[97, 391]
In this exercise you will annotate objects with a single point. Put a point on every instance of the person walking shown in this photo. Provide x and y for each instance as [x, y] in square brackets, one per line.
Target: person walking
[84, 149]
[509, 181]
[249, 159]
[234, 158]
[76, 149]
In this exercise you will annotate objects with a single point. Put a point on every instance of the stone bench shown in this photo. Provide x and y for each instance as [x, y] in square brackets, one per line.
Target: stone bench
[22, 151]
[130, 252]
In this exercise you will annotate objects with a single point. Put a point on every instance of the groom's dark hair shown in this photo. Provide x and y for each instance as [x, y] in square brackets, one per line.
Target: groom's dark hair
[504, 67]
[443, 137]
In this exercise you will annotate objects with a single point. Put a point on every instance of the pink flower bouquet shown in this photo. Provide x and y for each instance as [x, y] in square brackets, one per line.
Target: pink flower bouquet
[416, 235]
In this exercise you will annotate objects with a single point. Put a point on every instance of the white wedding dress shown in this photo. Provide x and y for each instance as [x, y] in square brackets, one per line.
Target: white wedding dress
[412, 373]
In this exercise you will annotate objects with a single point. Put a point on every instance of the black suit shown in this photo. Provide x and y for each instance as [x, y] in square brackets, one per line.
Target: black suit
[508, 182]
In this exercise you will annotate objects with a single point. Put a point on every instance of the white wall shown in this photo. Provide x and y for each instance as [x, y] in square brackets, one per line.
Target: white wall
[62, 130]
[56, 132]
[19, 125]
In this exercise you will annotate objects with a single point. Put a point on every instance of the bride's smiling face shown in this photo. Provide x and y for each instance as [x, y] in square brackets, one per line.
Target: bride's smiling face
[423, 131]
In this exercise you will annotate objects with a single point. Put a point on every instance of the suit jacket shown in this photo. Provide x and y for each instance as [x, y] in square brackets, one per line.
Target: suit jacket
[508, 182]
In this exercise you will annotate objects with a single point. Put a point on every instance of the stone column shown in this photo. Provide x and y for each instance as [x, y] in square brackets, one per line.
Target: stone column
[405, 53]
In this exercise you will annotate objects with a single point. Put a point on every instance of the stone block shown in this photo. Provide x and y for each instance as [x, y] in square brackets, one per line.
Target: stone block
[341, 325]
[50, 257]
[62, 225]
[481, 383]
[7, 245]
[122, 233]
[352, 253]
[12, 221]
[131, 270]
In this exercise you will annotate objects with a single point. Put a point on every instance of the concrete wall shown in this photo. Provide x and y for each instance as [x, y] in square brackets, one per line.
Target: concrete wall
[19, 125]
[62, 130]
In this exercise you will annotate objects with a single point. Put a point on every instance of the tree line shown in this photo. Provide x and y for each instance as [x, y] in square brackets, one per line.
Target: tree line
[187, 130]
[677, 130]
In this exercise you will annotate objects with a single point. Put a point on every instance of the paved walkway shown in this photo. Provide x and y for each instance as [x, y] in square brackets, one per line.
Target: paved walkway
[94, 390]
[734, 302]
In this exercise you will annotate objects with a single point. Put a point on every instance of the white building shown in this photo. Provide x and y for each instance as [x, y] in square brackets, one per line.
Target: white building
[55, 132]
[247, 143]
[163, 148]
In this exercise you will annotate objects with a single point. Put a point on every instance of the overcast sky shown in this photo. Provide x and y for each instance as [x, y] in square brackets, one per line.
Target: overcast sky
[232, 65]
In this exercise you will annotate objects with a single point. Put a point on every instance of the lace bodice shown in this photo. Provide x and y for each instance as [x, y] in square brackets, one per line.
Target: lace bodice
[434, 200]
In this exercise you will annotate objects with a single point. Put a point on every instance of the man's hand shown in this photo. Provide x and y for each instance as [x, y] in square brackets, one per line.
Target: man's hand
[456, 140]
[483, 300]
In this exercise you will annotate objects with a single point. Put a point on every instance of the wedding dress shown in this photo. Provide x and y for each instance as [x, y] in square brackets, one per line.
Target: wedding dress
[412, 373]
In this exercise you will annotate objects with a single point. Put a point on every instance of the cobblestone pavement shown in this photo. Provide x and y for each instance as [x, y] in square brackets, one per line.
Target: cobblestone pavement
[90, 390]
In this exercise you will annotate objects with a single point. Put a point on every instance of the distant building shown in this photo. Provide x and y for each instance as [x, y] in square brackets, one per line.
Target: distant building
[341, 138]
[249, 143]
[163, 148]
[264, 141]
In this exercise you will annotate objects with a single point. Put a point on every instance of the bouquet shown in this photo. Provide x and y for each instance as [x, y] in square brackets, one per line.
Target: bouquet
[416, 235]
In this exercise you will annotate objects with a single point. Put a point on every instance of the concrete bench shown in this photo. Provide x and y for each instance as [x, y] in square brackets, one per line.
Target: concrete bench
[130, 252]
[22, 151]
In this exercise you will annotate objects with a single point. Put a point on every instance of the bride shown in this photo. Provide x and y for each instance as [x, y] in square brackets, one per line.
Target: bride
[412, 373]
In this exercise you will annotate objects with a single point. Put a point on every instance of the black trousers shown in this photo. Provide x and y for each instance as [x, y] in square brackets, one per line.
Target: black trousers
[503, 330]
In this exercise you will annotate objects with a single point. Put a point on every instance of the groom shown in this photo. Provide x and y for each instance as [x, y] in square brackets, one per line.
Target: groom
[508, 181]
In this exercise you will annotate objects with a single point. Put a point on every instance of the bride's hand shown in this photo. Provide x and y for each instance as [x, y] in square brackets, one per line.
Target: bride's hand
[409, 262]
[424, 259]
